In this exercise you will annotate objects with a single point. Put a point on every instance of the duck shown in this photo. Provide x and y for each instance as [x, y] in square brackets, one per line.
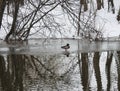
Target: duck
[67, 46]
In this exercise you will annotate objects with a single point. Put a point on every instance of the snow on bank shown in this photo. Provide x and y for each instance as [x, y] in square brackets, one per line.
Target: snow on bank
[108, 20]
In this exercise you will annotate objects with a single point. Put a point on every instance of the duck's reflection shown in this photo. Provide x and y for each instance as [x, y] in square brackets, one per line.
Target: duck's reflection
[66, 53]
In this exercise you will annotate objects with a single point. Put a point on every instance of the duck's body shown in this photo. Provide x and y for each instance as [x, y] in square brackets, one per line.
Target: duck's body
[67, 46]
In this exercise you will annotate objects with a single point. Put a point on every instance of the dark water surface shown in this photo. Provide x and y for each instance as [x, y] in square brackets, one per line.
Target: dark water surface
[41, 65]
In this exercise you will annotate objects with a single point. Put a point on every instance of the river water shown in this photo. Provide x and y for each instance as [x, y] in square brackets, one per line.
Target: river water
[41, 65]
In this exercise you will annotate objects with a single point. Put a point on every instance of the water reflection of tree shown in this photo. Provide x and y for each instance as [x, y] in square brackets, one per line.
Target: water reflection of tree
[108, 69]
[19, 72]
[84, 74]
[55, 72]
[11, 72]
[84, 66]
[109, 61]
[118, 69]
[96, 60]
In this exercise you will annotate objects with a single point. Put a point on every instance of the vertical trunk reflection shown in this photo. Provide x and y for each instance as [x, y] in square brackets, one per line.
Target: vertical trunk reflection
[108, 69]
[11, 72]
[96, 60]
[118, 69]
[84, 74]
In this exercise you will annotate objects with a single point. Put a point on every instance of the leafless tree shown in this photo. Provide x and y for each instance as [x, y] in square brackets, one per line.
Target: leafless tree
[38, 16]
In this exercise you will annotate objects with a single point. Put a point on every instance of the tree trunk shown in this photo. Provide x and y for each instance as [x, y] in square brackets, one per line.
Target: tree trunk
[99, 4]
[13, 27]
[2, 8]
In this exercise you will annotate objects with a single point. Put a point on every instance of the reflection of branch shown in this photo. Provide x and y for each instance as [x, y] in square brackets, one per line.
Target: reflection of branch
[34, 58]
[70, 69]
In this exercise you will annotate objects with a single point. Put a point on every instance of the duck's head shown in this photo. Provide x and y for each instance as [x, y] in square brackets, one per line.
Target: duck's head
[68, 44]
